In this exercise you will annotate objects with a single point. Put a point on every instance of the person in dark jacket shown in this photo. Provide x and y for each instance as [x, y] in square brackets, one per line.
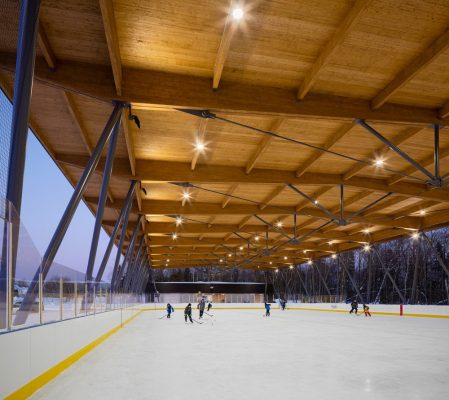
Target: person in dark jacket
[354, 306]
[267, 309]
[283, 304]
[209, 306]
[188, 313]
[201, 307]
[170, 309]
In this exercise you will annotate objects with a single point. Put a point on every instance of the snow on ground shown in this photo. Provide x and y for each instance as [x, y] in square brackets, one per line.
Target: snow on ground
[241, 355]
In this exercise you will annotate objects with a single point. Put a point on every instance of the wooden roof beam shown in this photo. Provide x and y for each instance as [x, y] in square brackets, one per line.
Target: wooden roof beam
[129, 141]
[148, 88]
[431, 52]
[230, 29]
[229, 193]
[110, 30]
[332, 46]
[44, 45]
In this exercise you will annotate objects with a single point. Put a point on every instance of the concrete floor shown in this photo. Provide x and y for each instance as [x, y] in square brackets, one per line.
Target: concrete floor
[241, 355]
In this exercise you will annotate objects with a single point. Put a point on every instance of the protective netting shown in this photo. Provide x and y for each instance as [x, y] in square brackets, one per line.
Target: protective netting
[5, 141]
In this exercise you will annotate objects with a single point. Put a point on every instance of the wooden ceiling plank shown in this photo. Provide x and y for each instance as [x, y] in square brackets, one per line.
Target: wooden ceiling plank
[44, 45]
[425, 162]
[200, 136]
[275, 193]
[110, 30]
[317, 154]
[263, 144]
[229, 193]
[411, 70]
[76, 117]
[382, 151]
[332, 46]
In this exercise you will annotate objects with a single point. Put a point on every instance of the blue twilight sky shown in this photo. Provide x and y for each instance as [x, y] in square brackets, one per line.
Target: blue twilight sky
[46, 193]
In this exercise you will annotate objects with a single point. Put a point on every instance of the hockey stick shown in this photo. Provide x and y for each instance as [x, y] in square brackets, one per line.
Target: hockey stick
[198, 322]
[210, 315]
[163, 316]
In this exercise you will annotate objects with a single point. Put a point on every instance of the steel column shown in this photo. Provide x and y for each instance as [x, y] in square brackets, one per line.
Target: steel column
[23, 83]
[437, 255]
[322, 280]
[102, 201]
[116, 269]
[133, 263]
[129, 252]
[137, 275]
[67, 217]
[437, 151]
[128, 201]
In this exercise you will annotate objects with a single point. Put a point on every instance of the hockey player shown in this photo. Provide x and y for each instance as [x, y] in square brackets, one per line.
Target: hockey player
[209, 306]
[366, 310]
[354, 306]
[188, 313]
[267, 309]
[170, 309]
[201, 307]
[283, 304]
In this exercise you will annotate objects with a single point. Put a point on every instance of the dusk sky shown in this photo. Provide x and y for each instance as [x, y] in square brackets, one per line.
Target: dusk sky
[45, 195]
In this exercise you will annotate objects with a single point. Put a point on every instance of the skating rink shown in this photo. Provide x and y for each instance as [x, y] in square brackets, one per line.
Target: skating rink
[239, 354]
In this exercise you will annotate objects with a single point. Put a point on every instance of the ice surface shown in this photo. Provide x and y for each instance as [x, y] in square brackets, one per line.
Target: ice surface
[242, 355]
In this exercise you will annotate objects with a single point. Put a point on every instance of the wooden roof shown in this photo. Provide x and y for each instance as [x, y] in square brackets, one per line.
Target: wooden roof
[305, 70]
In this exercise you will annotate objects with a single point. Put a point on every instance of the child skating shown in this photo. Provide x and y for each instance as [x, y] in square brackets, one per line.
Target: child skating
[366, 310]
[354, 306]
[267, 309]
[170, 309]
[188, 313]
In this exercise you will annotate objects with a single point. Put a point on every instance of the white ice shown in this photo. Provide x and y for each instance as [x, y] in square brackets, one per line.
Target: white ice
[242, 355]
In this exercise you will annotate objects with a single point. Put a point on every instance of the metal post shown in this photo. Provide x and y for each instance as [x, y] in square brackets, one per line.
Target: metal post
[437, 151]
[85, 298]
[75, 294]
[322, 280]
[95, 300]
[129, 251]
[133, 263]
[437, 255]
[128, 201]
[101, 300]
[137, 271]
[61, 295]
[9, 274]
[41, 298]
[116, 269]
[69, 212]
[102, 200]
[23, 83]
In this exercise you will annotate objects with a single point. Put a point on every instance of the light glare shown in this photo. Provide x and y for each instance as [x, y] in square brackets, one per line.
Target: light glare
[237, 13]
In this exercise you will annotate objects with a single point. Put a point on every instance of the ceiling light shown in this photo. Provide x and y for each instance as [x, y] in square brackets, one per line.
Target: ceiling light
[186, 195]
[174, 236]
[179, 221]
[230, 255]
[291, 266]
[305, 251]
[365, 231]
[330, 243]
[316, 201]
[309, 262]
[334, 256]
[367, 247]
[285, 257]
[200, 146]
[379, 162]
[167, 260]
[221, 260]
[166, 265]
[271, 262]
[256, 238]
[415, 235]
[237, 13]
[241, 248]
[279, 224]
[422, 212]
[276, 270]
